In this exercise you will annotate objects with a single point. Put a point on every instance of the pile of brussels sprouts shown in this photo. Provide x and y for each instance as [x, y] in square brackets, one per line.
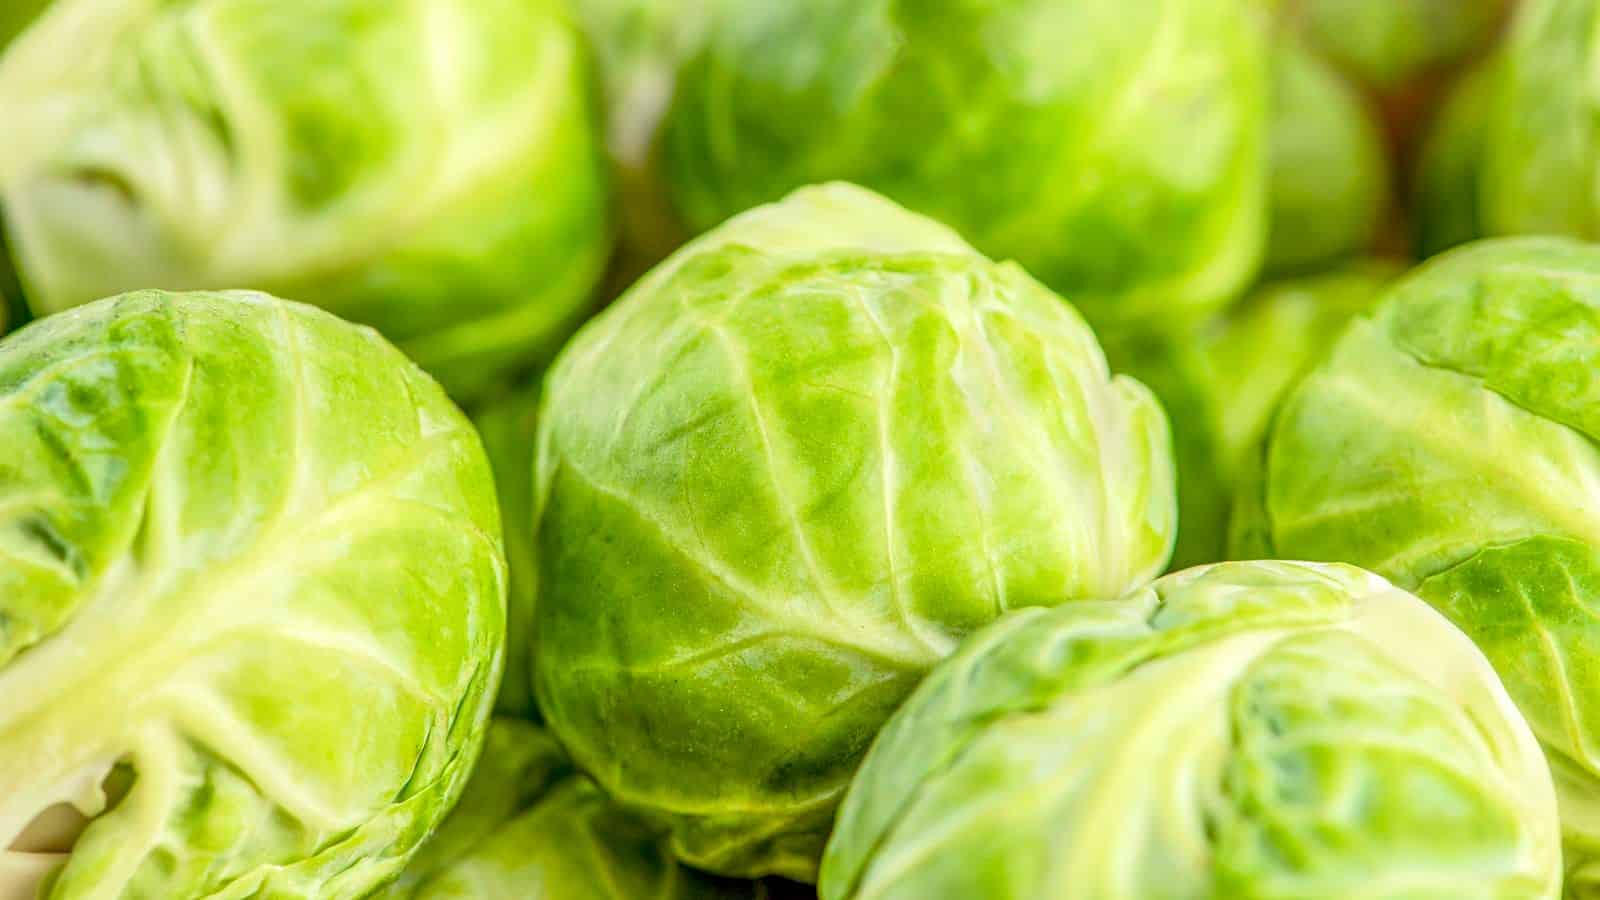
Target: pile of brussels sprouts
[761, 449]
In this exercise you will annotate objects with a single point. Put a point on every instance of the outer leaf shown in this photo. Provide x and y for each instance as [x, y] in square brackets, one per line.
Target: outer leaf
[251, 577]
[785, 475]
[1248, 730]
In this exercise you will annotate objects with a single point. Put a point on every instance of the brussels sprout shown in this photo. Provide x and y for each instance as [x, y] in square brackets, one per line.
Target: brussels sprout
[783, 476]
[1116, 150]
[528, 828]
[1448, 443]
[1390, 43]
[1449, 175]
[1245, 730]
[1221, 385]
[1328, 186]
[508, 426]
[1541, 156]
[251, 602]
[440, 177]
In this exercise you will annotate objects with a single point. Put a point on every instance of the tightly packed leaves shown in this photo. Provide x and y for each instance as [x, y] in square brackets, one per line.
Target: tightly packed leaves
[1246, 730]
[251, 602]
[1126, 172]
[783, 477]
[440, 177]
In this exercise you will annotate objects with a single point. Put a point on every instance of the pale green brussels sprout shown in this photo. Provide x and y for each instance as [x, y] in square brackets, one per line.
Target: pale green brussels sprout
[1448, 442]
[1115, 150]
[1449, 184]
[1221, 384]
[529, 828]
[1389, 44]
[784, 476]
[1246, 730]
[1541, 154]
[440, 177]
[251, 602]
[1328, 185]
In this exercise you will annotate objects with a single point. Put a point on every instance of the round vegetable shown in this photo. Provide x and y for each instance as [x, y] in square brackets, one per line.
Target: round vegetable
[1541, 151]
[528, 827]
[1329, 181]
[1116, 150]
[1449, 443]
[440, 177]
[784, 476]
[1221, 385]
[1246, 730]
[251, 602]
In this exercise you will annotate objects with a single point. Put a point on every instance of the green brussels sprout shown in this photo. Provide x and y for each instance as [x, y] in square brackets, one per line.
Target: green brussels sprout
[508, 425]
[1541, 155]
[1448, 442]
[1391, 43]
[528, 828]
[784, 476]
[1448, 189]
[440, 178]
[1221, 385]
[1116, 150]
[1328, 184]
[251, 602]
[1244, 730]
